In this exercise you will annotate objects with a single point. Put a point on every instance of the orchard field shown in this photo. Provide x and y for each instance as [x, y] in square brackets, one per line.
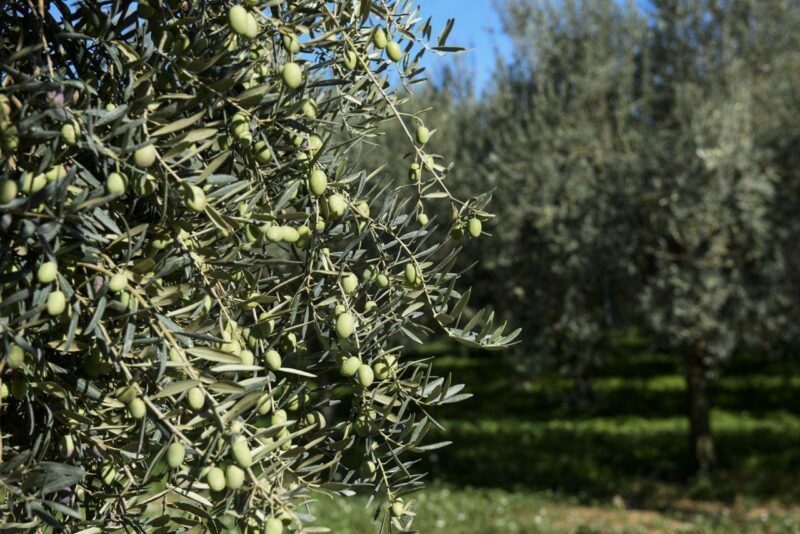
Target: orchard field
[525, 458]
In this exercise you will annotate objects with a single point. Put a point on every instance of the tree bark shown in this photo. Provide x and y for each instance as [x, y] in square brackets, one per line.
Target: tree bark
[699, 405]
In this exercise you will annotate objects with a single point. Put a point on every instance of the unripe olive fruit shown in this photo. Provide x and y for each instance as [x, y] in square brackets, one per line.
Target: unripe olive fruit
[145, 156]
[310, 109]
[247, 357]
[196, 199]
[336, 205]
[345, 325]
[241, 452]
[414, 172]
[56, 172]
[175, 455]
[126, 394]
[382, 280]
[69, 132]
[215, 479]
[66, 447]
[382, 368]
[394, 51]
[32, 184]
[379, 38]
[423, 135]
[350, 366]
[290, 235]
[116, 184]
[56, 303]
[365, 376]
[279, 417]
[362, 425]
[195, 398]
[349, 283]
[350, 59]
[273, 525]
[291, 43]
[237, 18]
[4, 393]
[8, 191]
[314, 143]
[474, 226]
[411, 273]
[15, 357]
[264, 404]
[397, 508]
[273, 359]
[234, 477]
[275, 233]
[422, 219]
[47, 272]
[261, 152]
[137, 408]
[317, 182]
[292, 75]
[118, 283]
[315, 418]
[305, 235]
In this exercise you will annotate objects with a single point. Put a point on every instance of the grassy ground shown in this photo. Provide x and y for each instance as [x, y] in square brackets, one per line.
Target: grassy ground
[615, 462]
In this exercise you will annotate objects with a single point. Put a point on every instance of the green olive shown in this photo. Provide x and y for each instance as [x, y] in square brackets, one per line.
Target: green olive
[336, 205]
[15, 357]
[394, 51]
[108, 473]
[175, 455]
[273, 359]
[241, 452]
[56, 303]
[32, 184]
[56, 172]
[145, 156]
[273, 525]
[422, 219]
[291, 43]
[292, 75]
[368, 469]
[215, 479]
[116, 184]
[264, 405]
[397, 508]
[234, 477]
[47, 272]
[70, 133]
[345, 325]
[475, 227]
[290, 235]
[237, 18]
[310, 109]
[379, 38]
[414, 172]
[8, 191]
[275, 233]
[247, 357]
[195, 398]
[196, 199]
[365, 376]
[279, 418]
[126, 394]
[262, 152]
[423, 135]
[118, 283]
[411, 273]
[349, 283]
[382, 280]
[350, 59]
[317, 182]
[350, 366]
[137, 408]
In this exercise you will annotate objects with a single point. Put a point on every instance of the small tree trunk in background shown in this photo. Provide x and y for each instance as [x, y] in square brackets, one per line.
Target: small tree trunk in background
[702, 441]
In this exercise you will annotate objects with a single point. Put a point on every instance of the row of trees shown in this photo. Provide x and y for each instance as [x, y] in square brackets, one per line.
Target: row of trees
[644, 166]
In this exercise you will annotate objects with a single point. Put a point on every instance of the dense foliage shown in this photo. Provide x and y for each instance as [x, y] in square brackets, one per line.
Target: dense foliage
[205, 297]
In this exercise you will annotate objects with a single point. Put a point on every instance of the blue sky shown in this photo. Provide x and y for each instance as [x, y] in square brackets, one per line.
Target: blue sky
[477, 28]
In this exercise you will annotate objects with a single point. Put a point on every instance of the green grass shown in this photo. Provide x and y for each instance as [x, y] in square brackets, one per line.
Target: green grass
[442, 508]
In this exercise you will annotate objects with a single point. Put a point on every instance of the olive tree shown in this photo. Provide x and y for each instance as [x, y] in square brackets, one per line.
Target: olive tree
[205, 297]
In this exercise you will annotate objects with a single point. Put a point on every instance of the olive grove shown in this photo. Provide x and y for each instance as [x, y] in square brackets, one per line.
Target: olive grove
[204, 295]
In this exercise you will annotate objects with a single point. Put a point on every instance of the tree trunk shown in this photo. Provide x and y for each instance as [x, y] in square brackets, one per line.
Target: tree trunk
[702, 441]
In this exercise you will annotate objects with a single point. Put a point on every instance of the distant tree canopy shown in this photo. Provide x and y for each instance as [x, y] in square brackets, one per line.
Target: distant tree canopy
[645, 167]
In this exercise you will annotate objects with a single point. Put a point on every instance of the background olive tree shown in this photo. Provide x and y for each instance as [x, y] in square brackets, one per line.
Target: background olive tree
[644, 168]
[205, 296]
